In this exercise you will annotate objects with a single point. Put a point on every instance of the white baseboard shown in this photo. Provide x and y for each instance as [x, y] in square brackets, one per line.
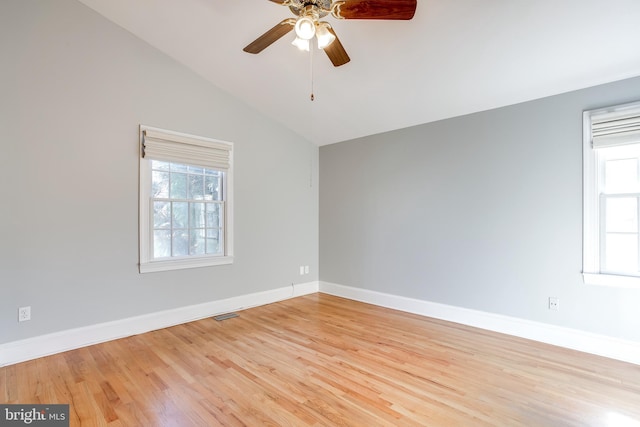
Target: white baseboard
[44, 345]
[614, 348]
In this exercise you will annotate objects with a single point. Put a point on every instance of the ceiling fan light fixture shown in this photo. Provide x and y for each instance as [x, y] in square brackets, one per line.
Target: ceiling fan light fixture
[324, 36]
[301, 44]
[305, 28]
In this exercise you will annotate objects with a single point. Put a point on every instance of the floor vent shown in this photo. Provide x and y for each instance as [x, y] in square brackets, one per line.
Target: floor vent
[222, 317]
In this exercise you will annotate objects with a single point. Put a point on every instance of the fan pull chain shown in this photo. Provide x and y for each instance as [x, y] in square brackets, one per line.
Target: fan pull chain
[311, 70]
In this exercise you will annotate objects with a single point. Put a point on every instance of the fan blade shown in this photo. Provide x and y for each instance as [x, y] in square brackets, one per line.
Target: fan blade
[375, 9]
[265, 40]
[335, 51]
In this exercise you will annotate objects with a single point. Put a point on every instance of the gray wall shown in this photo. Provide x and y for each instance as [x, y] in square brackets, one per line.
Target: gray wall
[73, 90]
[482, 211]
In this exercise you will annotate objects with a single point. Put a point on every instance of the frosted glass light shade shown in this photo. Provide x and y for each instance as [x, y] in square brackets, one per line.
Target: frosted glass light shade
[301, 44]
[324, 36]
[305, 28]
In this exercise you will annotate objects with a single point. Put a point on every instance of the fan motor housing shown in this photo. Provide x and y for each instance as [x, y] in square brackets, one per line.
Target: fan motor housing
[321, 7]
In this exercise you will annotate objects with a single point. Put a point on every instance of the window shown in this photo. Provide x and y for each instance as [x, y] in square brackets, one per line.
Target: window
[185, 201]
[612, 196]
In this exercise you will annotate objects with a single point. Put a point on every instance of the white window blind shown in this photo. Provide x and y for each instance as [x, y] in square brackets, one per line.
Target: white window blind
[621, 127]
[163, 145]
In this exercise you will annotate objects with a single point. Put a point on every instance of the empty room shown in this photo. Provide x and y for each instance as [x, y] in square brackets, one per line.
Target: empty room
[320, 213]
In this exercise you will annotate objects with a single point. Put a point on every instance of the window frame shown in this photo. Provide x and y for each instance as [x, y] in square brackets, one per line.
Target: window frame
[593, 182]
[147, 263]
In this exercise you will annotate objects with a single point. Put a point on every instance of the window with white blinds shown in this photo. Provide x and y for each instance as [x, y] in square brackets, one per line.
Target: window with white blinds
[186, 201]
[612, 196]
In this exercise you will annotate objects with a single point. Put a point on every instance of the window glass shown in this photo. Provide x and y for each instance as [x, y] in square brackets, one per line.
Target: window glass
[196, 187]
[178, 185]
[621, 215]
[621, 253]
[191, 211]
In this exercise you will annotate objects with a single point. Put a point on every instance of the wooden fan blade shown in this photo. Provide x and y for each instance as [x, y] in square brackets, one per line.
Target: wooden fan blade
[278, 1]
[375, 9]
[265, 40]
[335, 51]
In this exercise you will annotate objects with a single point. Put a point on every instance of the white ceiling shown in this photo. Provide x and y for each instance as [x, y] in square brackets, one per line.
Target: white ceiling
[454, 57]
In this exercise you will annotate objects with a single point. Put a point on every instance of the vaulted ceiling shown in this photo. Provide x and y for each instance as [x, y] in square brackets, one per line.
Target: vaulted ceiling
[454, 57]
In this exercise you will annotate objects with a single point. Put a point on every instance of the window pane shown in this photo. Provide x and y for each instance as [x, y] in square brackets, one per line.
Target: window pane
[195, 169]
[622, 214]
[178, 186]
[180, 214]
[161, 243]
[621, 176]
[621, 253]
[158, 165]
[162, 215]
[197, 242]
[196, 215]
[177, 167]
[213, 241]
[160, 184]
[213, 215]
[196, 187]
[180, 243]
[212, 188]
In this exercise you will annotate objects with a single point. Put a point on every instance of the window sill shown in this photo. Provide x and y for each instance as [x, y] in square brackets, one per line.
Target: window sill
[179, 264]
[611, 280]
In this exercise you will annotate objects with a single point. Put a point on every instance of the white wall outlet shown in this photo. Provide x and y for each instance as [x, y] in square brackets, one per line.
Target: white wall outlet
[24, 314]
[554, 303]
[306, 269]
[301, 270]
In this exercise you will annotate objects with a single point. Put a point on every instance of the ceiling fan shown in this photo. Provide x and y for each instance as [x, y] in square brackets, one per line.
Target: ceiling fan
[307, 25]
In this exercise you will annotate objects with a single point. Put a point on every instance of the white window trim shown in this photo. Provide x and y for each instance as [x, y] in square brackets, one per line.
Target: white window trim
[147, 264]
[592, 176]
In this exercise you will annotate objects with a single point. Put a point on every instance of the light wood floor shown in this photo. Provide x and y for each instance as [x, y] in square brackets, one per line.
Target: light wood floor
[325, 361]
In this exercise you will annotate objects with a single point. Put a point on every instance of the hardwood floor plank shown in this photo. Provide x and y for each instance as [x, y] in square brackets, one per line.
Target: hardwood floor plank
[320, 360]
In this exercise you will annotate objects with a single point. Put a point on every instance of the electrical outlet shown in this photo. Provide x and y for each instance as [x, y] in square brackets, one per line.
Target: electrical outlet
[306, 269]
[301, 270]
[24, 314]
[554, 303]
